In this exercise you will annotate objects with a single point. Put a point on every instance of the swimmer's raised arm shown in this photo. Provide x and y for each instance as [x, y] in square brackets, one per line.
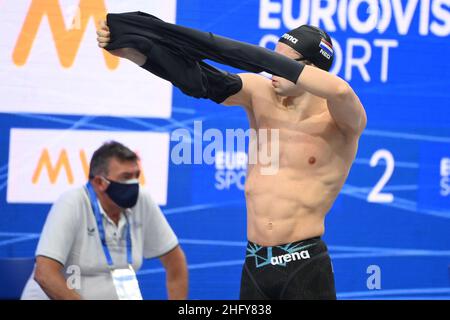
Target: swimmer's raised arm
[141, 30]
[175, 53]
[250, 84]
[194, 78]
[343, 103]
[167, 45]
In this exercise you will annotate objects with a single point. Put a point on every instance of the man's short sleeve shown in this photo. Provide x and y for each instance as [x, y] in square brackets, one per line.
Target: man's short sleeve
[159, 237]
[59, 231]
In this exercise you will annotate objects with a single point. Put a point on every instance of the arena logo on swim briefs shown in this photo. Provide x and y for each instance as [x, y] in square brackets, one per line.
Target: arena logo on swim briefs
[45, 163]
[302, 255]
[205, 146]
[366, 17]
[50, 61]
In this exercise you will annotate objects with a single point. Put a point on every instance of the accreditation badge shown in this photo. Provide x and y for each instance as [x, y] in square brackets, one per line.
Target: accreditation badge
[126, 284]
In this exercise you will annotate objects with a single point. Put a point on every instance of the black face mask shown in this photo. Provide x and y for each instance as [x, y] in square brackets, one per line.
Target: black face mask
[125, 195]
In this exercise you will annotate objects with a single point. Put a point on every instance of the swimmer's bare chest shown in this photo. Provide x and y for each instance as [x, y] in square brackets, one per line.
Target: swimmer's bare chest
[306, 142]
[314, 161]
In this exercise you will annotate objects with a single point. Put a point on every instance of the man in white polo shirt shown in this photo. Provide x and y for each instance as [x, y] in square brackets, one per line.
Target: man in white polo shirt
[96, 236]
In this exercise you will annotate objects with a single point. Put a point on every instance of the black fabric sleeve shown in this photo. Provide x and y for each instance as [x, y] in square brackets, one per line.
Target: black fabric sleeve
[194, 78]
[199, 45]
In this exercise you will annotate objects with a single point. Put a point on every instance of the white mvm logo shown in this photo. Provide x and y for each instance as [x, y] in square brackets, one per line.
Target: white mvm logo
[290, 38]
[290, 257]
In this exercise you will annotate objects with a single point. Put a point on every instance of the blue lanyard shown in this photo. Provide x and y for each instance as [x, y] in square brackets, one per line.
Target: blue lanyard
[101, 230]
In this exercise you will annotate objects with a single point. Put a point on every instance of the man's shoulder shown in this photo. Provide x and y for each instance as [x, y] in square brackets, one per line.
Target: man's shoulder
[70, 205]
[145, 199]
[146, 206]
[73, 196]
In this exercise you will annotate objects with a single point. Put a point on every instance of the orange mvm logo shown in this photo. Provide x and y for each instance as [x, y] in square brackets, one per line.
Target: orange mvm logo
[53, 169]
[67, 41]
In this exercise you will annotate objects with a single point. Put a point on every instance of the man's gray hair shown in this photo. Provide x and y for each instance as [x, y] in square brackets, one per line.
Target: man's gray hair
[112, 149]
